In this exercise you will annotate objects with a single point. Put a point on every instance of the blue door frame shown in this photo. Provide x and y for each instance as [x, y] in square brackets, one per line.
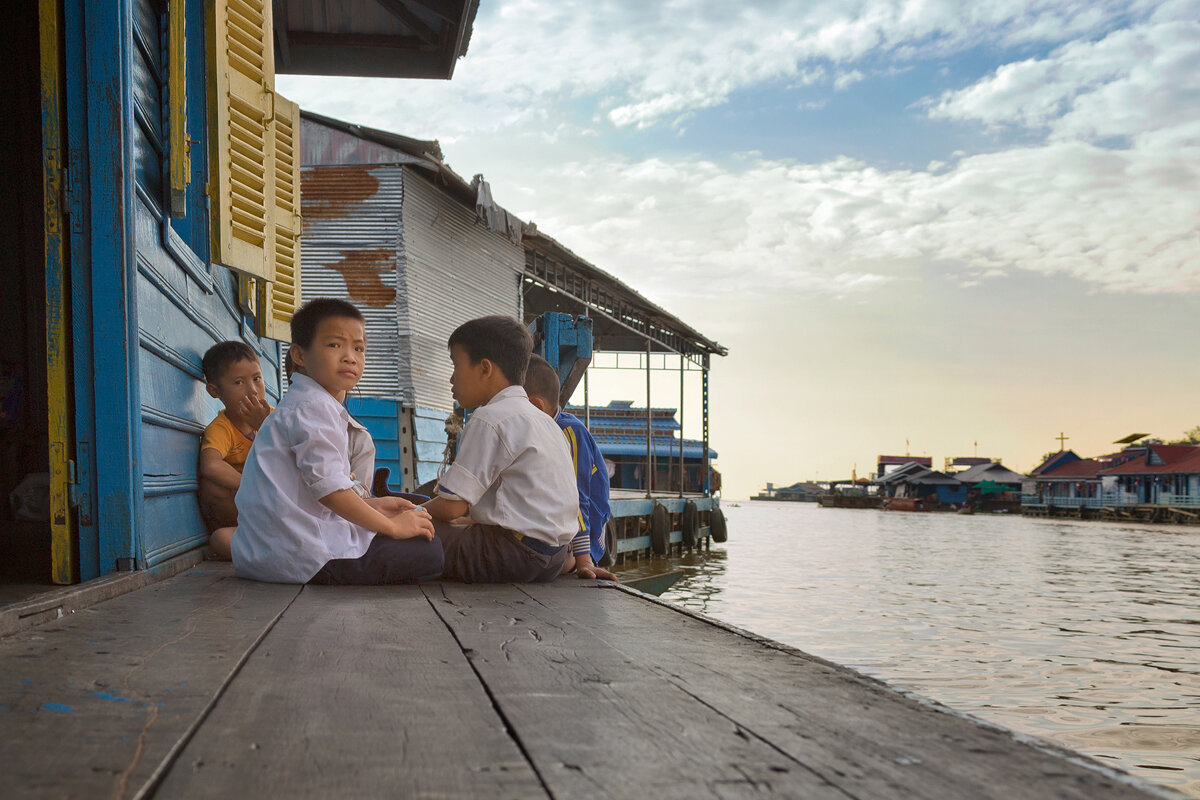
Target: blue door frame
[103, 301]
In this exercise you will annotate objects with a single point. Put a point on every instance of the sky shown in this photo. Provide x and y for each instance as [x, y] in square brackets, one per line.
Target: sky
[919, 226]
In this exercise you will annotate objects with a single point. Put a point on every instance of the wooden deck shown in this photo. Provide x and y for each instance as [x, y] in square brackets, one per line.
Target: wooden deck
[204, 685]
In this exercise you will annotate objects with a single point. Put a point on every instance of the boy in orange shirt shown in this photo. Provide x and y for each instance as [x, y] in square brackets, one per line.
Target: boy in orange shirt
[234, 377]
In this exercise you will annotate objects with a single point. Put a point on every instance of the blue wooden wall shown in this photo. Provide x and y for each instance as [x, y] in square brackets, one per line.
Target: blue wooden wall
[146, 303]
[183, 305]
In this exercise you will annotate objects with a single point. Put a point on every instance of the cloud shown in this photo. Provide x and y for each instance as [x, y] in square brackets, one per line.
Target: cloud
[1122, 220]
[1105, 186]
[644, 63]
[1135, 80]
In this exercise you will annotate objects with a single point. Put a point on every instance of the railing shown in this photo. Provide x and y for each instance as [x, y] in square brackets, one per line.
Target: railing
[1178, 500]
[1106, 500]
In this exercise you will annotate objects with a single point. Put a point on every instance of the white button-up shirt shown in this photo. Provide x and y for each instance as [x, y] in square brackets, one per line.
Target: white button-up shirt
[300, 455]
[514, 469]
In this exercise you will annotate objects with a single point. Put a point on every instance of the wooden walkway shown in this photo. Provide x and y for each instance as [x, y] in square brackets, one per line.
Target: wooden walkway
[204, 685]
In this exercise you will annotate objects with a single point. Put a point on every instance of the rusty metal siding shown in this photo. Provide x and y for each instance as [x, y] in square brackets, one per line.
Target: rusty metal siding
[351, 250]
[454, 269]
[321, 145]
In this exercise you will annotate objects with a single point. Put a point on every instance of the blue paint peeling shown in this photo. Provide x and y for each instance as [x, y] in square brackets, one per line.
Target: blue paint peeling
[116, 698]
[58, 708]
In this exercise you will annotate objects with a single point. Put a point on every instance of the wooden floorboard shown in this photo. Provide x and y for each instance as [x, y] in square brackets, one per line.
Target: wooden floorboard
[91, 704]
[209, 686]
[593, 721]
[863, 737]
[357, 692]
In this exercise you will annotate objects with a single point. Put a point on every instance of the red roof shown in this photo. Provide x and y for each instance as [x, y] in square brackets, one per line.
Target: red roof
[1079, 468]
[1176, 458]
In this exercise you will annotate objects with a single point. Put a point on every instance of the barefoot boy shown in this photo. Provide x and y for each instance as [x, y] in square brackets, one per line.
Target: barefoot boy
[233, 376]
[591, 476]
[513, 471]
[299, 519]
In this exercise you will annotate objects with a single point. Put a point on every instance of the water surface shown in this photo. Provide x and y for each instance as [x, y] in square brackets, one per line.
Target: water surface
[1084, 633]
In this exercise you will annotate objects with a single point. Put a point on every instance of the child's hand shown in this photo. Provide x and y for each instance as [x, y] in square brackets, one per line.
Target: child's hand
[391, 505]
[584, 568]
[254, 410]
[410, 524]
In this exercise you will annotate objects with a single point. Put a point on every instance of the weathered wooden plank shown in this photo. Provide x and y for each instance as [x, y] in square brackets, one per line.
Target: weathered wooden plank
[596, 723]
[866, 738]
[357, 692]
[91, 703]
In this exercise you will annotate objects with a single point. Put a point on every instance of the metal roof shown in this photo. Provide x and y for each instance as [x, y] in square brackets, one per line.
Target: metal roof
[992, 471]
[623, 320]
[372, 38]
[555, 278]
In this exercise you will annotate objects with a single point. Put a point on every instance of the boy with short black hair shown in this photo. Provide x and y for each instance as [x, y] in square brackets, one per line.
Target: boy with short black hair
[543, 386]
[232, 375]
[300, 520]
[513, 471]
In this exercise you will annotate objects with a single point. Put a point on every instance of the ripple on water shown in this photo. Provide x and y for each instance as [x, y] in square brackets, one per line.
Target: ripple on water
[1086, 634]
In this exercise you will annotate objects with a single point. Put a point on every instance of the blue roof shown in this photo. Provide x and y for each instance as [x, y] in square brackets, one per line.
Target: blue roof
[662, 447]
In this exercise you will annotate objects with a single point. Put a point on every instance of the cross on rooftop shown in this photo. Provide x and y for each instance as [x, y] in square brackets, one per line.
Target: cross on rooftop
[1062, 440]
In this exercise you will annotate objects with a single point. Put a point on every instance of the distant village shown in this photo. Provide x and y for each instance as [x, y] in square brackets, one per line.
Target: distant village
[1145, 480]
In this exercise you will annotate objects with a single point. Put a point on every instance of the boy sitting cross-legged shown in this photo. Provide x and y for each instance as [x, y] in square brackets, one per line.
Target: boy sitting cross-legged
[299, 519]
[233, 376]
[513, 471]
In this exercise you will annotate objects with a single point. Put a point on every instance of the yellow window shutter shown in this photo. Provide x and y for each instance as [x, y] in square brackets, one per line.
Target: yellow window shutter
[180, 161]
[283, 294]
[240, 111]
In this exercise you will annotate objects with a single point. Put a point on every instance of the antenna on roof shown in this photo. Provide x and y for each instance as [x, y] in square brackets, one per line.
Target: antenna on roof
[1131, 438]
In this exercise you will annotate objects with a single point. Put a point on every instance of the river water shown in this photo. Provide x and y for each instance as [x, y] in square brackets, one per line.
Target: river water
[1083, 633]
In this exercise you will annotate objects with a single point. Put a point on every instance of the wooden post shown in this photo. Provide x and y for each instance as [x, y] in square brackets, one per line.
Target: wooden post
[649, 428]
[681, 467]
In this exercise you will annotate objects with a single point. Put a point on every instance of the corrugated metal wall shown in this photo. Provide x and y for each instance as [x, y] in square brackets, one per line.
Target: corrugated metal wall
[454, 269]
[351, 249]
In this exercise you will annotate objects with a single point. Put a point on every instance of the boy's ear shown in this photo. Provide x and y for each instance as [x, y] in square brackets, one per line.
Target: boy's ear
[486, 367]
[212, 390]
[297, 353]
[541, 404]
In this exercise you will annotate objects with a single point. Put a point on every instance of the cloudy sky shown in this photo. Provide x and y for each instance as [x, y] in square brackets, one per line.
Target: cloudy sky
[910, 221]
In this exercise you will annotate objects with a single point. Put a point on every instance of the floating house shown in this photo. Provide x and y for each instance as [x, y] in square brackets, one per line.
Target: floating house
[924, 488]
[620, 431]
[1149, 481]
[152, 208]
[1162, 474]
[391, 228]
[800, 492]
[419, 250]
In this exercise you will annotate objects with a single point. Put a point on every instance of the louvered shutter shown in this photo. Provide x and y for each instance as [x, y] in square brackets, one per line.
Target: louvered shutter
[283, 295]
[180, 161]
[241, 188]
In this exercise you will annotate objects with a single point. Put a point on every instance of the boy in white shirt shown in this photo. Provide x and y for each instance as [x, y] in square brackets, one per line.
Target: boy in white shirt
[512, 474]
[299, 518]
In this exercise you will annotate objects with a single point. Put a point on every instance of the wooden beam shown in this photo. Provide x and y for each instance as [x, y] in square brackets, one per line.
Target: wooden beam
[357, 40]
[439, 8]
[399, 10]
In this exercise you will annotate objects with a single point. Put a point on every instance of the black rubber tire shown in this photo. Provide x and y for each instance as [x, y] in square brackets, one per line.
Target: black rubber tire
[610, 544]
[660, 530]
[720, 533]
[690, 524]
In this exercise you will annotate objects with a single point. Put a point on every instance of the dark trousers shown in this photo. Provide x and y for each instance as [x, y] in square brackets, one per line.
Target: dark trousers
[386, 561]
[487, 554]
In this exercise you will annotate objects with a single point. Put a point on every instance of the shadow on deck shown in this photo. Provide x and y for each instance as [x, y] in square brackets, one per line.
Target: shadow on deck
[204, 685]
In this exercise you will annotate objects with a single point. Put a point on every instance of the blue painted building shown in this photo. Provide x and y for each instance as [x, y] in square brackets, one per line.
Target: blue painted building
[620, 431]
[152, 208]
